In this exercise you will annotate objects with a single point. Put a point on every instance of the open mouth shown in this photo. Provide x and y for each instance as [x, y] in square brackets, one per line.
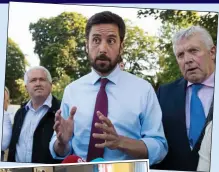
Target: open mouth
[191, 69]
[39, 89]
[102, 60]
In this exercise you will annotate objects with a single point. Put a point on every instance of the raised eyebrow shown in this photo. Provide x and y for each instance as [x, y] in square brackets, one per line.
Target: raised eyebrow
[96, 35]
[112, 36]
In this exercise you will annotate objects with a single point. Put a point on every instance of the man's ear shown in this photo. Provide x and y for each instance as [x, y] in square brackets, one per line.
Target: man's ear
[213, 53]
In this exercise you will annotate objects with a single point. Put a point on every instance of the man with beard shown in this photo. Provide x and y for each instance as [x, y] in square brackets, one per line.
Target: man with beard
[109, 113]
[33, 122]
[185, 103]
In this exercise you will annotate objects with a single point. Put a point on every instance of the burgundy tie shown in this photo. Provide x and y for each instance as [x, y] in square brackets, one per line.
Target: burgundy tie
[102, 106]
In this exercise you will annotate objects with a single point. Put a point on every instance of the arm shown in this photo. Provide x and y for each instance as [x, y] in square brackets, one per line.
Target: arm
[60, 144]
[58, 151]
[152, 145]
[152, 128]
[205, 150]
[7, 131]
[134, 148]
[61, 149]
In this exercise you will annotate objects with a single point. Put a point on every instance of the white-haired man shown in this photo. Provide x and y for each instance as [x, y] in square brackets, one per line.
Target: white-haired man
[185, 103]
[33, 122]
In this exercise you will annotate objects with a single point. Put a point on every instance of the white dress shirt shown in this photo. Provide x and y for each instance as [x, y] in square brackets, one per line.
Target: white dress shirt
[133, 108]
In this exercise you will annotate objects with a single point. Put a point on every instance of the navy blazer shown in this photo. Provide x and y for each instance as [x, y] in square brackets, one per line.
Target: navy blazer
[172, 99]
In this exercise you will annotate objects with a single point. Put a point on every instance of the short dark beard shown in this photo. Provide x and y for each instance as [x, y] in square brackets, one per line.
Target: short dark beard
[102, 68]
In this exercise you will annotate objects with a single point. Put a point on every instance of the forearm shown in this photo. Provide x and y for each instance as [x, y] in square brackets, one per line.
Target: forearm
[135, 148]
[61, 149]
[6, 136]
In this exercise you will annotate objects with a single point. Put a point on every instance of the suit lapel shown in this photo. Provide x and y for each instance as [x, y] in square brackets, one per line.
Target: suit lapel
[180, 106]
[180, 101]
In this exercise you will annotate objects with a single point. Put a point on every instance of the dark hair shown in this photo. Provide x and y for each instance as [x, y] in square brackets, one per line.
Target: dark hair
[106, 17]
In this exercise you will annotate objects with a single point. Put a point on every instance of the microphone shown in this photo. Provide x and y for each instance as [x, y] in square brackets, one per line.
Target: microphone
[72, 159]
[98, 160]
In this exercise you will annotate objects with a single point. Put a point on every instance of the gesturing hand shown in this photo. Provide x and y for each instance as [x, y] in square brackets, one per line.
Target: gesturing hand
[64, 128]
[112, 139]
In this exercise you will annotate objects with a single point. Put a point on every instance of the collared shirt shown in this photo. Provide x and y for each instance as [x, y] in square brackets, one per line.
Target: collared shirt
[31, 121]
[205, 150]
[205, 94]
[7, 131]
[133, 109]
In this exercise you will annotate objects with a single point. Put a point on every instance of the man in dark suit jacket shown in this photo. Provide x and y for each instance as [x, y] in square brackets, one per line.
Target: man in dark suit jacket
[33, 122]
[195, 55]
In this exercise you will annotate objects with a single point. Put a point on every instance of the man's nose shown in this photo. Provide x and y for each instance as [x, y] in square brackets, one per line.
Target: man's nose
[188, 58]
[38, 82]
[103, 48]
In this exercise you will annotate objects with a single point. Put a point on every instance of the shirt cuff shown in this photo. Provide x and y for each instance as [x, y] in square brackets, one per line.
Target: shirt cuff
[52, 151]
[157, 150]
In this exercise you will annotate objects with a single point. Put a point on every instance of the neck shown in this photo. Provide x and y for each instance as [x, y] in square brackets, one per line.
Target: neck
[103, 74]
[36, 103]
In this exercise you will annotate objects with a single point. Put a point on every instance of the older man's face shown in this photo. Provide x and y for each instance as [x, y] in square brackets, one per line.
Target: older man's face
[38, 85]
[195, 61]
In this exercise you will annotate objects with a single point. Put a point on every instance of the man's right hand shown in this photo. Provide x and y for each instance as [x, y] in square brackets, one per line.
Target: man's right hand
[64, 128]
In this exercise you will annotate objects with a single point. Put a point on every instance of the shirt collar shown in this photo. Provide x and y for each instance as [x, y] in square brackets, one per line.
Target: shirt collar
[209, 82]
[48, 103]
[113, 76]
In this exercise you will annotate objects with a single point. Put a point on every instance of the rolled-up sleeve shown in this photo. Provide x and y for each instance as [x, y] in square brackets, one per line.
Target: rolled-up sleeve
[152, 129]
[52, 151]
[65, 115]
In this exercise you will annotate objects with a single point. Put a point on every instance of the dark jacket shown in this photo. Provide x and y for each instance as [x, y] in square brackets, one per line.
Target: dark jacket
[172, 99]
[42, 134]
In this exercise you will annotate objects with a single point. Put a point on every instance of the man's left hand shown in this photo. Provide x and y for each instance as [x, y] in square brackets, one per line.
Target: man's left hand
[112, 139]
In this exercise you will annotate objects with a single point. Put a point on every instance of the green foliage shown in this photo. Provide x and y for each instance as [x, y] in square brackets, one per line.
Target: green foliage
[15, 69]
[139, 51]
[59, 85]
[60, 42]
[21, 88]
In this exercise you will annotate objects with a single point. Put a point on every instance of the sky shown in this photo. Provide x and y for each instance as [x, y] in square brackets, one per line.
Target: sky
[22, 14]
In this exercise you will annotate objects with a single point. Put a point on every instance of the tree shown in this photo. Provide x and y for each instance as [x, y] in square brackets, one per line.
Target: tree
[172, 21]
[22, 90]
[60, 43]
[139, 51]
[59, 86]
[15, 69]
